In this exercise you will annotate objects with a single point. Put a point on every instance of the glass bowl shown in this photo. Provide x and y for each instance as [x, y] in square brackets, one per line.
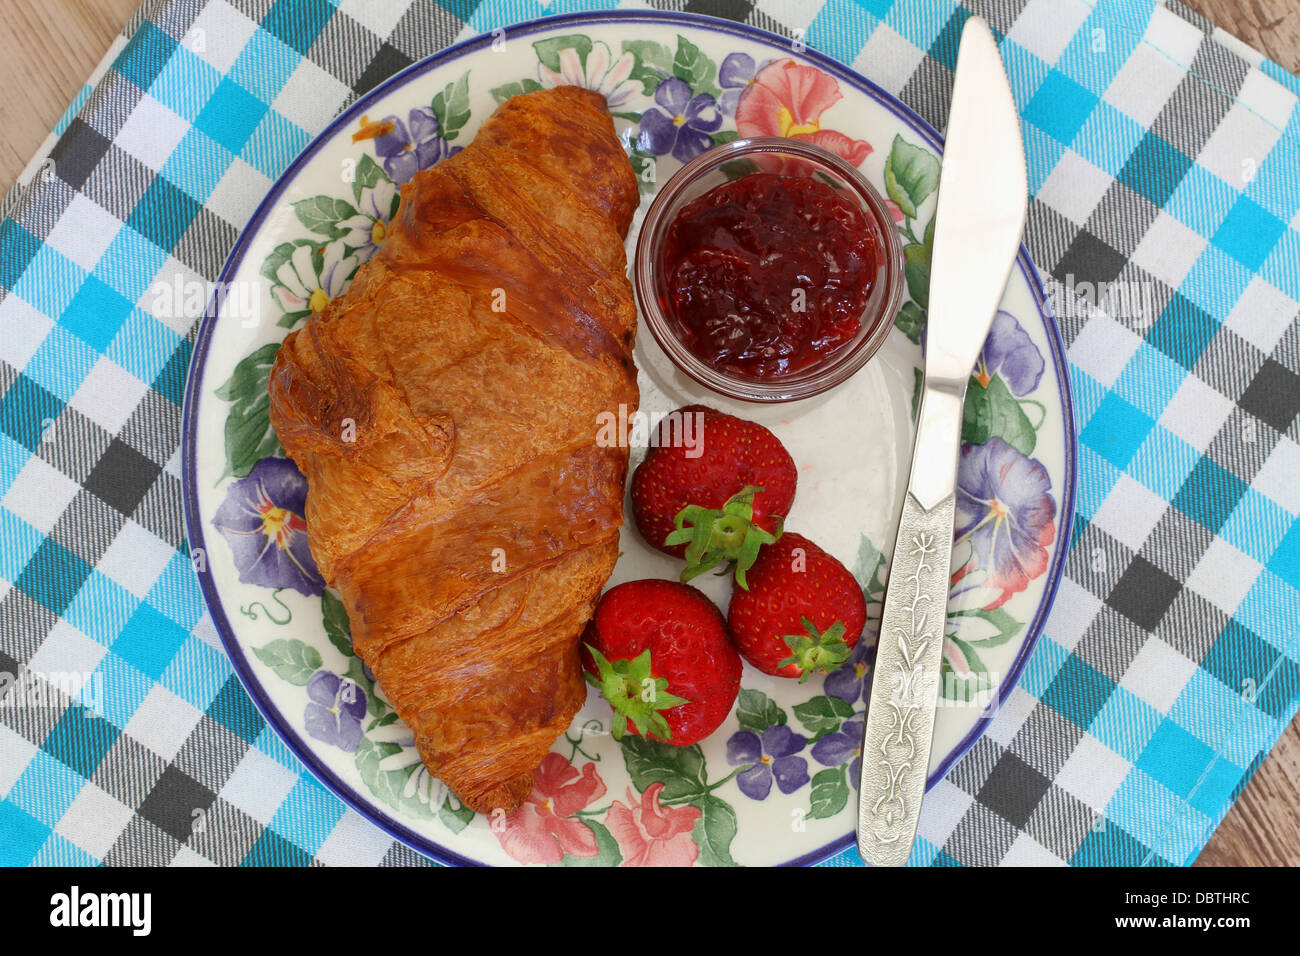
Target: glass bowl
[789, 157]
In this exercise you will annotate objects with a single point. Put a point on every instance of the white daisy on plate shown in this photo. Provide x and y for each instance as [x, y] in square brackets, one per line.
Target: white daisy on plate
[420, 784]
[303, 286]
[369, 227]
[601, 73]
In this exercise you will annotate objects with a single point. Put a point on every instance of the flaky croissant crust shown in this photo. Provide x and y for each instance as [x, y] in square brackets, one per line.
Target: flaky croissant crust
[444, 412]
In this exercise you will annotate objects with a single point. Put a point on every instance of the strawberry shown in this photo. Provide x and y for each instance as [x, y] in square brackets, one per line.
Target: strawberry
[716, 499]
[659, 652]
[803, 612]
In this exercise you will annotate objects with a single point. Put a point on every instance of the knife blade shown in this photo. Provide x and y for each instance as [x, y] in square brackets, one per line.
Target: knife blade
[980, 216]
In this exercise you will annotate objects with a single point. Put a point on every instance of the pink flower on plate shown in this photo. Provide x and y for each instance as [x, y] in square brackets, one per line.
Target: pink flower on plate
[788, 99]
[652, 835]
[956, 659]
[544, 829]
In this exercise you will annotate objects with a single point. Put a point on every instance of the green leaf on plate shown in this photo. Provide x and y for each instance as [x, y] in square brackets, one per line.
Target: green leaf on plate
[248, 434]
[389, 786]
[735, 168]
[455, 816]
[869, 570]
[910, 321]
[653, 63]
[609, 854]
[337, 627]
[996, 624]
[918, 386]
[992, 411]
[322, 214]
[451, 107]
[823, 715]
[374, 706]
[282, 254]
[503, 93]
[964, 687]
[714, 831]
[757, 712]
[830, 793]
[691, 65]
[366, 175]
[679, 769]
[916, 269]
[724, 136]
[548, 50]
[291, 659]
[911, 174]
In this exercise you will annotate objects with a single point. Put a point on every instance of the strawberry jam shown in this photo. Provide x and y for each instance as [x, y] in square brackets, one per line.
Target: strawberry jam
[768, 274]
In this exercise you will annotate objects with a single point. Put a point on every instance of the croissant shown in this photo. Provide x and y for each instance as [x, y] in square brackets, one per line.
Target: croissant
[444, 412]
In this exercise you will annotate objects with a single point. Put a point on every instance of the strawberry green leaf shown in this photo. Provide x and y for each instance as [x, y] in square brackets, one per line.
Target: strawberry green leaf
[812, 652]
[635, 694]
[714, 535]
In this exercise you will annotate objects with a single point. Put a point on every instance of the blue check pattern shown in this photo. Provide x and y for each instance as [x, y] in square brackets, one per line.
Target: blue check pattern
[1163, 157]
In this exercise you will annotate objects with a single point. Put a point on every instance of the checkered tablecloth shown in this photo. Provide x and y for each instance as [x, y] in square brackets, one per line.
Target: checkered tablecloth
[1163, 160]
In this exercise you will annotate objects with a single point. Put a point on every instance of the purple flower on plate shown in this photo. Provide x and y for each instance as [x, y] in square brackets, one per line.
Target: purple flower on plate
[682, 124]
[407, 147]
[851, 681]
[735, 75]
[1005, 509]
[1011, 351]
[773, 758]
[837, 749]
[263, 520]
[334, 710]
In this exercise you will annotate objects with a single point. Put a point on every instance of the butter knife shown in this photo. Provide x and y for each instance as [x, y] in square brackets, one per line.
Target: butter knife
[980, 216]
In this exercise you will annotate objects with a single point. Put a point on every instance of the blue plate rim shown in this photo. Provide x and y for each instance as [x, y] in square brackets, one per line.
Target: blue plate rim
[193, 522]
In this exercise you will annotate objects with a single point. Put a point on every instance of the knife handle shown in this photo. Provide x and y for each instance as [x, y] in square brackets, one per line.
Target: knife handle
[905, 684]
[905, 679]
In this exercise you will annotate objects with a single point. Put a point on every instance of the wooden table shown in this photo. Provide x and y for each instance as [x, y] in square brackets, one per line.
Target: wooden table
[52, 45]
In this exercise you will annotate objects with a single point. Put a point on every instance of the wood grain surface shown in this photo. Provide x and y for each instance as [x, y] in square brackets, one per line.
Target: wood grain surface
[50, 47]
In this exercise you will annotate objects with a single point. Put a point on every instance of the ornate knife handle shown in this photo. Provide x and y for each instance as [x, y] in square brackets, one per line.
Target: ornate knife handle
[905, 680]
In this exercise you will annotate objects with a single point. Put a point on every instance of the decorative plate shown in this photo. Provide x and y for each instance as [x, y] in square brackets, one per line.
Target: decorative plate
[775, 784]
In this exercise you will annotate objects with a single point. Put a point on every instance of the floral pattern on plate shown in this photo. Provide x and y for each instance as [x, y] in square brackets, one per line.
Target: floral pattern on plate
[671, 102]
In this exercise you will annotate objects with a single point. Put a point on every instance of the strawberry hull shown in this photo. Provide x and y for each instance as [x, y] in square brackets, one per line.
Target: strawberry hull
[690, 656]
[803, 610]
[733, 453]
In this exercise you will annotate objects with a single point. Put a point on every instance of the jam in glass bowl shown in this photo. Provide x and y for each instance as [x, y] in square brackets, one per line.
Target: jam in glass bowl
[768, 269]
